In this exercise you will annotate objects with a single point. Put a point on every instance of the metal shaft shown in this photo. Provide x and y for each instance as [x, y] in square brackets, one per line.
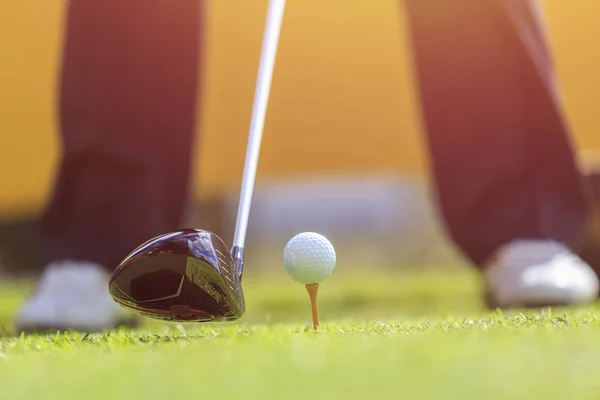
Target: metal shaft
[259, 111]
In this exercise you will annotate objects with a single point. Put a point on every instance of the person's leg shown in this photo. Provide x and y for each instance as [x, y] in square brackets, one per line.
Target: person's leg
[501, 155]
[127, 117]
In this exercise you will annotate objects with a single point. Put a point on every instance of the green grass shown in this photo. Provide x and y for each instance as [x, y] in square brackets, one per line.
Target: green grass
[413, 336]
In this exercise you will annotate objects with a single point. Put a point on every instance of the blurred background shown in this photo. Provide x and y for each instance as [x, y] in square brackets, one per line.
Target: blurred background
[342, 150]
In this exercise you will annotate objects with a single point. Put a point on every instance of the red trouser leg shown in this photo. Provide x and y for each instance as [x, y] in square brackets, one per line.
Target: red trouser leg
[127, 115]
[501, 155]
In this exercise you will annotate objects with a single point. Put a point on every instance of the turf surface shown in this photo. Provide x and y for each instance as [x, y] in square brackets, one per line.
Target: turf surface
[412, 336]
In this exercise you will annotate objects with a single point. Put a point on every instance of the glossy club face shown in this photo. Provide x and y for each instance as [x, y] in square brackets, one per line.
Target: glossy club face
[185, 275]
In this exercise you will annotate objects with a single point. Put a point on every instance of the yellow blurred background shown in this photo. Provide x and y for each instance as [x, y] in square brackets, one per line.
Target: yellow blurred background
[342, 96]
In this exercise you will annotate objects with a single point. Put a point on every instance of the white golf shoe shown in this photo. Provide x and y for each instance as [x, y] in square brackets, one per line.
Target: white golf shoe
[538, 274]
[72, 295]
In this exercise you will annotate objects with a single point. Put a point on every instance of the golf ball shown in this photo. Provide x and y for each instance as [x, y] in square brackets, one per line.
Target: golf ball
[309, 258]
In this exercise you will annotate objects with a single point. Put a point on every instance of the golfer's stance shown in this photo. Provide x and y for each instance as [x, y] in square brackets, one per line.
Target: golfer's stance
[507, 182]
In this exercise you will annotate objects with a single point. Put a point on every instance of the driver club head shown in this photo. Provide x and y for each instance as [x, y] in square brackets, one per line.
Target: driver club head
[184, 275]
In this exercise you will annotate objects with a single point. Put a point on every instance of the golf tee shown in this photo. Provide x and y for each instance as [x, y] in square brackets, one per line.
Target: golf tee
[313, 290]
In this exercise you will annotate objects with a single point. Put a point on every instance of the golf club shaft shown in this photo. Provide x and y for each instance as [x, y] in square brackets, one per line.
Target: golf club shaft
[259, 110]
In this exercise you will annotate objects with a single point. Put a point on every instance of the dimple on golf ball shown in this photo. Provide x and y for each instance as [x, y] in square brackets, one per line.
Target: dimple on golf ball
[309, 258]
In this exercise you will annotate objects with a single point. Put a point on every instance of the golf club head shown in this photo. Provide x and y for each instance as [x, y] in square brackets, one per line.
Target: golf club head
[184, 275]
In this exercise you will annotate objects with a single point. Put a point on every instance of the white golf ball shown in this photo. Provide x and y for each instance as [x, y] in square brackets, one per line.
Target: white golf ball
[309, 258]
